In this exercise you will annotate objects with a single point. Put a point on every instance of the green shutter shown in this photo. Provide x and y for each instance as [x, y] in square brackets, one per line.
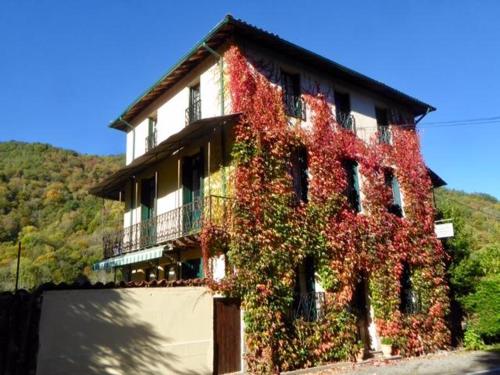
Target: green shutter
[355, 180]
[396, 192]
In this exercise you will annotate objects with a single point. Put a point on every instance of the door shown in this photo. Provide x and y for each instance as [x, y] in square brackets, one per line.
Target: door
[192, 193]
[227, 336]
[148, 224]
[361, 308]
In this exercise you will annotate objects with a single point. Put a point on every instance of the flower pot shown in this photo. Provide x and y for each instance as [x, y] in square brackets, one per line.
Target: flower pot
[360, 356]
[386, 350]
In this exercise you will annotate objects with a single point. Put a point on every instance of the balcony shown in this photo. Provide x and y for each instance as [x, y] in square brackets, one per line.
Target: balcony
[346, 121]
[150, 141]
[181, 223]
[295, 106]
[193, 112]
[308, 306]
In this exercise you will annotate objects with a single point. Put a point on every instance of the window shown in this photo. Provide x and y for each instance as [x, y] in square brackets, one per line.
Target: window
[294, 105]
[384, 135]
[409, 299]
[392, 183]
[193, 112]
[192, 269]
[299, 174]
[151, 138]
[305, 296]
[352, 189]
[343, 111]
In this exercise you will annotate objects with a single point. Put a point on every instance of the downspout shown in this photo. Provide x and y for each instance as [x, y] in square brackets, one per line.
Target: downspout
[221, 82]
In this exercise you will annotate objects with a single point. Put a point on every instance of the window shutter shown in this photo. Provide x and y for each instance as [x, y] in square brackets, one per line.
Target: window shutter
[396, 192]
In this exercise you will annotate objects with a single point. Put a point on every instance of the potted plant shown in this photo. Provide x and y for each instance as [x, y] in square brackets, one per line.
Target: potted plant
[387, 346]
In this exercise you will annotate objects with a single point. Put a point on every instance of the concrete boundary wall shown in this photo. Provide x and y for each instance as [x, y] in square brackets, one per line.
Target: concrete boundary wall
[126, 331]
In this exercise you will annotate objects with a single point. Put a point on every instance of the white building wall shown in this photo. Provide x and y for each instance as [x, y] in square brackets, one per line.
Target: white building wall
[170, 108]
[127, 331]
[141, 132]
[210, 92]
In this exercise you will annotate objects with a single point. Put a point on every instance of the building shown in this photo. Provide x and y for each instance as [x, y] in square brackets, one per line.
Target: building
[184, 153]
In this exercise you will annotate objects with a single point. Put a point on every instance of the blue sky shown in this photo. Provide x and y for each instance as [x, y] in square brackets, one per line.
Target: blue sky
[68, 68]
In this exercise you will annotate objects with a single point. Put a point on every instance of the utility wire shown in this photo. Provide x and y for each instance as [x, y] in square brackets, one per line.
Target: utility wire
[444, 124]
[494, 118]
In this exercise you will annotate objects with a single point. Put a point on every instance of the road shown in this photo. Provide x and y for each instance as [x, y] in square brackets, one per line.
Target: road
[444, 363]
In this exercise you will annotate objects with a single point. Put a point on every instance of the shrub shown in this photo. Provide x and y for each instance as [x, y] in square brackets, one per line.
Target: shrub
[472, 340]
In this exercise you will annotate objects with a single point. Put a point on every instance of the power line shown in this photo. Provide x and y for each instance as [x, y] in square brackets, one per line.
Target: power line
[444, 124]
[494, 118]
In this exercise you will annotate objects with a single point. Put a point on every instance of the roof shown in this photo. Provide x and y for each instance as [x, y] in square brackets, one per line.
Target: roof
[435, 179]
[230, 27]
[112, 185]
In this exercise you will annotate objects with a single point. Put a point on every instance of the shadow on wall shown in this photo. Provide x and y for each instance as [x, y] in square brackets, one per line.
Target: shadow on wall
[103, 332]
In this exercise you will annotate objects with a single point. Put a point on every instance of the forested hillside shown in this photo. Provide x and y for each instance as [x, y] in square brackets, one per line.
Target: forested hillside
[479, 212]
[44, 203]
[474, 264]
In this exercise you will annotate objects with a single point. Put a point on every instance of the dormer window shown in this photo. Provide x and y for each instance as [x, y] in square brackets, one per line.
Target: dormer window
[294, 105]
[384, 134]
[343, 111]
[193, 112]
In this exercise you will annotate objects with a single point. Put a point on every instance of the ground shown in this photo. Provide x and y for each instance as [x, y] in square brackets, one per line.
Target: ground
[443, 363]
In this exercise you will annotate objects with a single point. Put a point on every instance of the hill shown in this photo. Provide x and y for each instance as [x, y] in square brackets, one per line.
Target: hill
[44, 203]
[477, 215]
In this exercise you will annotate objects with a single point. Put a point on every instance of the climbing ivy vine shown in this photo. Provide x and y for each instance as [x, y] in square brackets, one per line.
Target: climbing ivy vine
[272, 233]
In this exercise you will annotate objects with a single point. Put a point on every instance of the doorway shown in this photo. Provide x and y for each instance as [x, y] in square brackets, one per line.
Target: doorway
[148, 202]
[192, 193]
[361, 308]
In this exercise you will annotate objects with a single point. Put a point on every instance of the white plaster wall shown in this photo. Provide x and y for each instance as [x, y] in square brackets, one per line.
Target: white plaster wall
[218, 267]
[172, 114]
[141, 132]
[171, 107]
[210, 92]
[126, 331]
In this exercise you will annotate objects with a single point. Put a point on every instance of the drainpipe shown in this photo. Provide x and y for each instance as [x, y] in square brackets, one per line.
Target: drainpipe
[221, 72]
[133, 134]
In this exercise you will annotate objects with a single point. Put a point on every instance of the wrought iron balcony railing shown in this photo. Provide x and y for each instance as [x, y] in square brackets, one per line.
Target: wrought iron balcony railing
[384, 134]
[193, 112]
[308, 306]
[150, 141]
[346, 121]
[175, 224]
[295, 106]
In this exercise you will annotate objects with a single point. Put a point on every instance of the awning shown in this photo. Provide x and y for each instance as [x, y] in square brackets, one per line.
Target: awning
[135, 257]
